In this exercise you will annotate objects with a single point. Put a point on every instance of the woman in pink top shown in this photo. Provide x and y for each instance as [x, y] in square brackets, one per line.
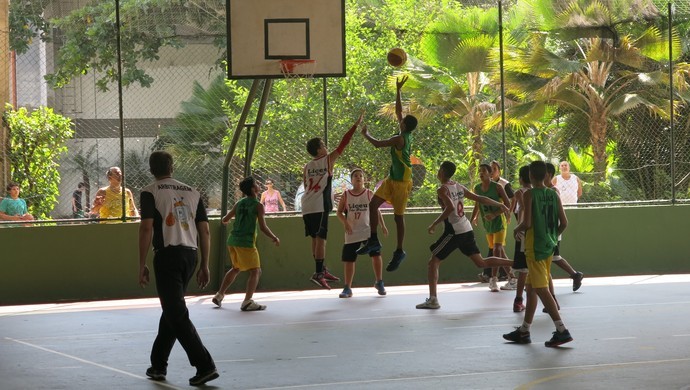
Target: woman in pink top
[271, 197]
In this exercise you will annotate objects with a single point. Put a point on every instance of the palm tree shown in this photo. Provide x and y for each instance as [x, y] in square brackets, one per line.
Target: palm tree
[594, 59]
[452, 76]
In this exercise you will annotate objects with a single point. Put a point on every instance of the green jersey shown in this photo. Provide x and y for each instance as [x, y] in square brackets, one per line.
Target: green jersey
[541, 239]
[244, 230]
[497, 224]
[401, 167]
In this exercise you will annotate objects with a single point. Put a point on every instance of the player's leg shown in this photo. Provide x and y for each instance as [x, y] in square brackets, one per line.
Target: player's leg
[373, 244]
[432, 276]
[248, 304]
[443, 247]
[377, 265]
[399, 200]
[349, 256]
[229, 277]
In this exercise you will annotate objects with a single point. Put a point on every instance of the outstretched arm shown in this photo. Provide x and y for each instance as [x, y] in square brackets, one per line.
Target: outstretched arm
[448, 208]
[262, 224]
[346, 140]
[397, 140]
[399, 82]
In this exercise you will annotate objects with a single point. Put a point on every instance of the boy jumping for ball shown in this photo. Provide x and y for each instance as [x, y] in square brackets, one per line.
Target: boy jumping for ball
[317, 202]
[249, 215]
[457, 232]
[397, 186]
[544, 219]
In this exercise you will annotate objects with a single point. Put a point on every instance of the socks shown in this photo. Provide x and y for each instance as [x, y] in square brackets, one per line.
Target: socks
[525, 327]
[559, 326]
[319, 266]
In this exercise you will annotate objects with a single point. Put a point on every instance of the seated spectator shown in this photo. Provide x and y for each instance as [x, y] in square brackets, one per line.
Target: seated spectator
[14, 208]
[108, 201]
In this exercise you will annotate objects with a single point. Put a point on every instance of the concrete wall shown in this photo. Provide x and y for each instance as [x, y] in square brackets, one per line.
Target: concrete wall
[88, 262]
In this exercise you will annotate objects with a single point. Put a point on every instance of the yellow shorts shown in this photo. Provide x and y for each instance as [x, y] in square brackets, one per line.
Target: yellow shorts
[396, 193]
[539, 272]
[496, 238]
[244, 259]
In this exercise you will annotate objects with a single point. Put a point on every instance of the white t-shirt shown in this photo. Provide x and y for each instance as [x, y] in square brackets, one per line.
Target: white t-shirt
[317, 186]
[457, 218]
[357, 207]
[567, 189]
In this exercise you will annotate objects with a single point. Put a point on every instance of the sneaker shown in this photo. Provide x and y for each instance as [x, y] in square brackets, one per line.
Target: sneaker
[483, 278]
[329, 277]
[493, 284]
[347, 293]
[201, 378]
[559, 338]
[156, 374]
[518, 337]
[319, 280]
[511, 285]
[379, 287]
[218, 299]
[250, 305]
[518, 306]
[398, 257]
[369, 246]
[429, 303]
[577, 280]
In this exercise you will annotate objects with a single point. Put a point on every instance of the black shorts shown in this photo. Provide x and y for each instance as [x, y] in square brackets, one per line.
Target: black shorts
[519, 258]
[448, 242]
[350, 251]
[316, 225]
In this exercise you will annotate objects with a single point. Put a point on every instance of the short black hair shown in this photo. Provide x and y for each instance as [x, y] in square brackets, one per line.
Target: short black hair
[486, 166]
[247, 186]
[448, 169]
[537, 169]
[524, 174]
[550, 169]
[410, 122]
[161, 163]
[313, 146]
[81, 185]
[12, 184]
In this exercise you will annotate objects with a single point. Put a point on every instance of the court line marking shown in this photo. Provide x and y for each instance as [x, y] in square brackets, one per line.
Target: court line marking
[474, 347]
[91, 363]
[417, 378]
[316, 357]
[618, 338]
[681, 335]
[392, 352]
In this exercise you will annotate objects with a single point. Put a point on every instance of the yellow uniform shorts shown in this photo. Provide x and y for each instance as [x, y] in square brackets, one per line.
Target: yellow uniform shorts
[539, 271]
[396, 193]
[244, 259]
[496, 238]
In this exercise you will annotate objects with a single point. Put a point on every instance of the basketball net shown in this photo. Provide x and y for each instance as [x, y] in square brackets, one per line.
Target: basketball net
[295, 71]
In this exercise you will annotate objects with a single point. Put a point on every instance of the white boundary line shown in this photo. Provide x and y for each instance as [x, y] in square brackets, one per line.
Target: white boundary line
[91, 363]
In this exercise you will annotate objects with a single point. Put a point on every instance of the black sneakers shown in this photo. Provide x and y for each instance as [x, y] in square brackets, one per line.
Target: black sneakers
[398, 257]
[203, 377]
[559, 338]
[518, 337]
[156, 374]
[577, 280]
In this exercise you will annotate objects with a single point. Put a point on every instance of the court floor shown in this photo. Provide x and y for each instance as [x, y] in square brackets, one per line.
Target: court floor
[630, 333]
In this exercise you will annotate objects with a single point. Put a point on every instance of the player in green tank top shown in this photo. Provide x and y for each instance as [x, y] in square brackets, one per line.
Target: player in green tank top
[249, 214]
[397, 186]
[543, 220]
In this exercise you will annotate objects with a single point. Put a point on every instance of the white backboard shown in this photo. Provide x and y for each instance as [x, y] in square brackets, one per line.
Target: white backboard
[262, 32]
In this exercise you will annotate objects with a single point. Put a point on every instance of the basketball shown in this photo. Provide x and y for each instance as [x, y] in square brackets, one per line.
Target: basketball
[397, 57]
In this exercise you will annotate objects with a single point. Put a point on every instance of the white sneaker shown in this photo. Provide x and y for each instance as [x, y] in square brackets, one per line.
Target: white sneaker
[511, 285]
[493, 284]
[430, 303]
[218, 299]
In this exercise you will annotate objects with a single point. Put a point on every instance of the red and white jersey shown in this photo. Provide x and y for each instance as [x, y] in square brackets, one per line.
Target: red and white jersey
[317, 186]
[457, 219]
[357, 208]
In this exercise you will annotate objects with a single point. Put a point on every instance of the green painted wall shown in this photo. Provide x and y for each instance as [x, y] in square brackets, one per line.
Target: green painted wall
[91, 261]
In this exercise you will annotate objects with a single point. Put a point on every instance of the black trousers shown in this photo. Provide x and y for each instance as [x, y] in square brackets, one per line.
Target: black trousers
[174, 267]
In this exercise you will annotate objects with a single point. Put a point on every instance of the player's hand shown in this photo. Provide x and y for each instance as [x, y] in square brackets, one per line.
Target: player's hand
[99, 200]
[144, 276]
[202, 277]
[225, 222]
[431, 229]
[519, 235]
[399, 82]
[348, 228]
[505, 209]
[276, 241]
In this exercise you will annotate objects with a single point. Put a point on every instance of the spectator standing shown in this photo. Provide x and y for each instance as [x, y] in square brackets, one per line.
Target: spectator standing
[108, 200]
[569, 186]
[271, 198]
[77, 208]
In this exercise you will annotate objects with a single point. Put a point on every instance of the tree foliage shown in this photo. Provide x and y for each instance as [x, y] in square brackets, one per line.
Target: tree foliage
[37, 140]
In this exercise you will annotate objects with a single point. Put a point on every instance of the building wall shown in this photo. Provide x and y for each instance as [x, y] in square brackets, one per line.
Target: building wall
[91, 261]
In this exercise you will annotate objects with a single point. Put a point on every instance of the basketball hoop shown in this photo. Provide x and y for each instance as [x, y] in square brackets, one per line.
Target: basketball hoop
[294, 69]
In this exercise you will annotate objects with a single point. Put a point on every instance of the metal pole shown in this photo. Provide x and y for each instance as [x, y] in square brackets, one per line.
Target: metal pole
[120, 110]
[257, 125]
[325, 111]
[671, 122]
[503, 96]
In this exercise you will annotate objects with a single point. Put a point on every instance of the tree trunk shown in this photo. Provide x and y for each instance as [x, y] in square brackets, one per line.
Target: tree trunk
[597, 129]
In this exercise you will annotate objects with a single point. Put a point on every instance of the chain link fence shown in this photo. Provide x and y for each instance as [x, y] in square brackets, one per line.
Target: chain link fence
[572, 92]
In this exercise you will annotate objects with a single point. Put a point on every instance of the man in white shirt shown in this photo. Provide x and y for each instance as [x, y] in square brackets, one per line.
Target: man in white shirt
[569, 186]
